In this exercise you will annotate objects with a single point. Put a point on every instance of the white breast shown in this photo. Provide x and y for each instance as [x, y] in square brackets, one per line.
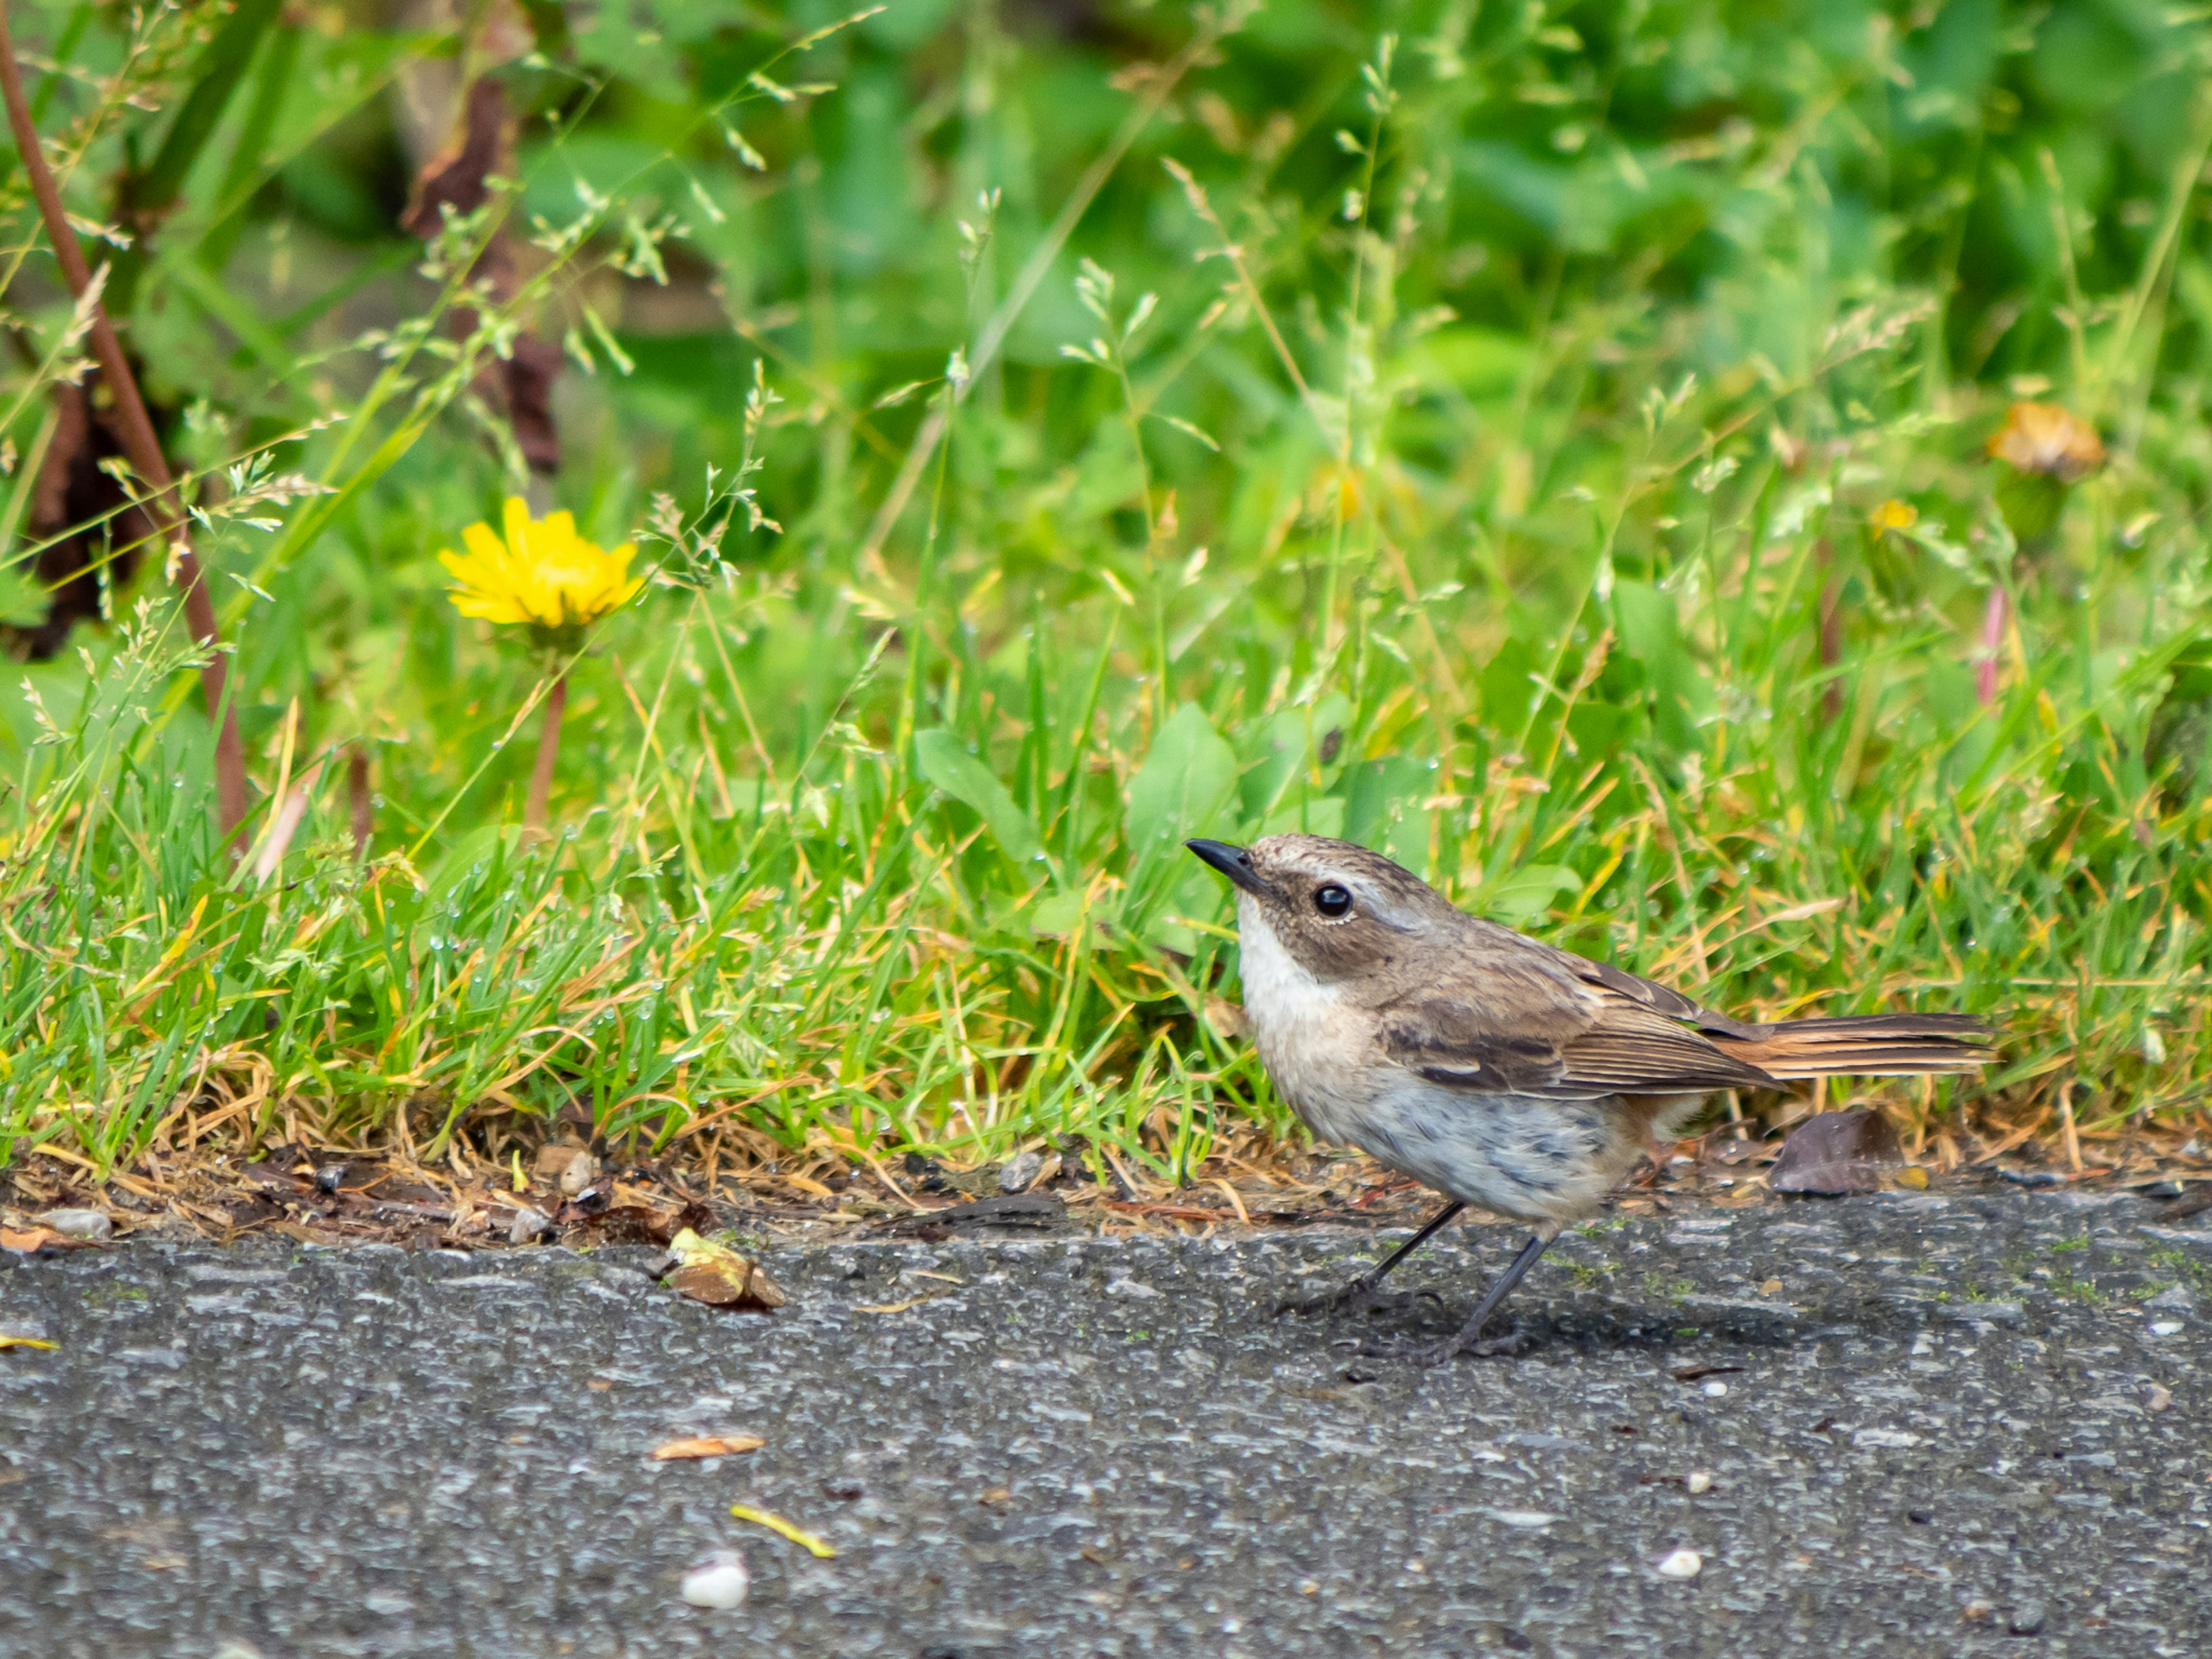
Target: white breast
[1315, 1044]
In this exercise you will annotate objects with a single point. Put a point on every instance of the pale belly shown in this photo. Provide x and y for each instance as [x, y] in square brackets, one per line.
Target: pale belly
[1535, 1159]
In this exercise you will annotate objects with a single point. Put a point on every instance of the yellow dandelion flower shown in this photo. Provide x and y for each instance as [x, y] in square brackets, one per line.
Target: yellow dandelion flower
[540, 575]
[1893, 514]
[2047, 440]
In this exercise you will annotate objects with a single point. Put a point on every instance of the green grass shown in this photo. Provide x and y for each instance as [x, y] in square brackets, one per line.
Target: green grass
[1460, 448]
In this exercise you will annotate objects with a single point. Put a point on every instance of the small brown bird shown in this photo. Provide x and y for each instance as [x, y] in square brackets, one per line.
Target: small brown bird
[1496, 1070]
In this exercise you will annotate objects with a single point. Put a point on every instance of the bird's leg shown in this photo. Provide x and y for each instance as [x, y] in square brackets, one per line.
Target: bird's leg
[1467, 1338]
[1360, 1293]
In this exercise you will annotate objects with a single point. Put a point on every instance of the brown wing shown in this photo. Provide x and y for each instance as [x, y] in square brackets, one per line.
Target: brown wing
[1527, 1018]
[1526, 1033]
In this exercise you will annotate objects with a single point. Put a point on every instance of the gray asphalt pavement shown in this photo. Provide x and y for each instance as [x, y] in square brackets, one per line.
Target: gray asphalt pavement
[1954, 1426]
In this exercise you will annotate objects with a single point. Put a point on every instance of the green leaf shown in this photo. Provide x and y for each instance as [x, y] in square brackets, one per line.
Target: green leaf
[1384, 808]
[945, 761]
[1182, 787]
[1527, 894]
[1651, 633]
[23, 600]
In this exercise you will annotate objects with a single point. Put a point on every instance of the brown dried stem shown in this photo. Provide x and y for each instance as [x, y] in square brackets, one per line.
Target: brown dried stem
[140, 445]
[549, 751]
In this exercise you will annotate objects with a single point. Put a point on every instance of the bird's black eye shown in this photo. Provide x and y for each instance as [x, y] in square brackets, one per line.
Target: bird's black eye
[1333, 901]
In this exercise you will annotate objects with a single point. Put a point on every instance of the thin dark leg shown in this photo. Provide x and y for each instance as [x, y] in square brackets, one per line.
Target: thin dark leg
[1468, 1338]
[1361, 1290]
[1370, 1280]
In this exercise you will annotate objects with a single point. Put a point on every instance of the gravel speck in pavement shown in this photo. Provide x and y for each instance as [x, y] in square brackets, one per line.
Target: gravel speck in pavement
[1938, 1442]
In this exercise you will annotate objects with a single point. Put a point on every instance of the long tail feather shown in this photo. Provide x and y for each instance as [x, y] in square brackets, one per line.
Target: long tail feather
[1870, 1045]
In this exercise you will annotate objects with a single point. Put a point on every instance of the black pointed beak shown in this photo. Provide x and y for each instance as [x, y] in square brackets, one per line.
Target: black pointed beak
[1234, 862]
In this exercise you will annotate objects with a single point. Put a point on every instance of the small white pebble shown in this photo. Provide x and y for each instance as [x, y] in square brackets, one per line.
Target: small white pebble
[719, 1580]
[1682, 1563]
[2165, 1326]
[1698, 1481]
[1308, 1586]
[1715, 1390]
[1525, 1519]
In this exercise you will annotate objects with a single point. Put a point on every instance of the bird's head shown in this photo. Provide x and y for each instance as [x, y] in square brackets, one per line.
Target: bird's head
[1336, 909]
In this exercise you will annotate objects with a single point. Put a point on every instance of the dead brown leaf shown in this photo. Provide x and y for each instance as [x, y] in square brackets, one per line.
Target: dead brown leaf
[29, 1240]
[707, 1445]
[718, 1276]
[721, 1287]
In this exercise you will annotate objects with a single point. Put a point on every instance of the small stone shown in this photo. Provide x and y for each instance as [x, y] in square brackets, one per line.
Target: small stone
[1528, 1520]
[583, 1169]
[88, 1225]
[2177, 1299]
[1887, 1439]
[1714, 1390]
[2165, 1326]
[1973, 1612]
[1770, 1287]
[2027, 1619]
[1018, 1173]
[1698, 1483]
[529, 1225]
[2157, 1396]
[1681, 1564]
[718, 1580]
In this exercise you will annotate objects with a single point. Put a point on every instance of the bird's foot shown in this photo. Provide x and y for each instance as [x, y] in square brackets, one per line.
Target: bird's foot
[1427, 1355]
[1361, 1296]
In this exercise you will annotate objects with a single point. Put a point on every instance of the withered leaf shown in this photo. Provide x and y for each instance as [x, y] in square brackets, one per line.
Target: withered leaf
[720, 1286]
[718, 1276]
[29, 1240]
[707, 1445]
[1837, 1153]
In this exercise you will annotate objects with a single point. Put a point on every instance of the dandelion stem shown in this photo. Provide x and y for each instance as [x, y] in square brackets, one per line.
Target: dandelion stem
[549, 751]
[140, 445]
[1993, 633]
